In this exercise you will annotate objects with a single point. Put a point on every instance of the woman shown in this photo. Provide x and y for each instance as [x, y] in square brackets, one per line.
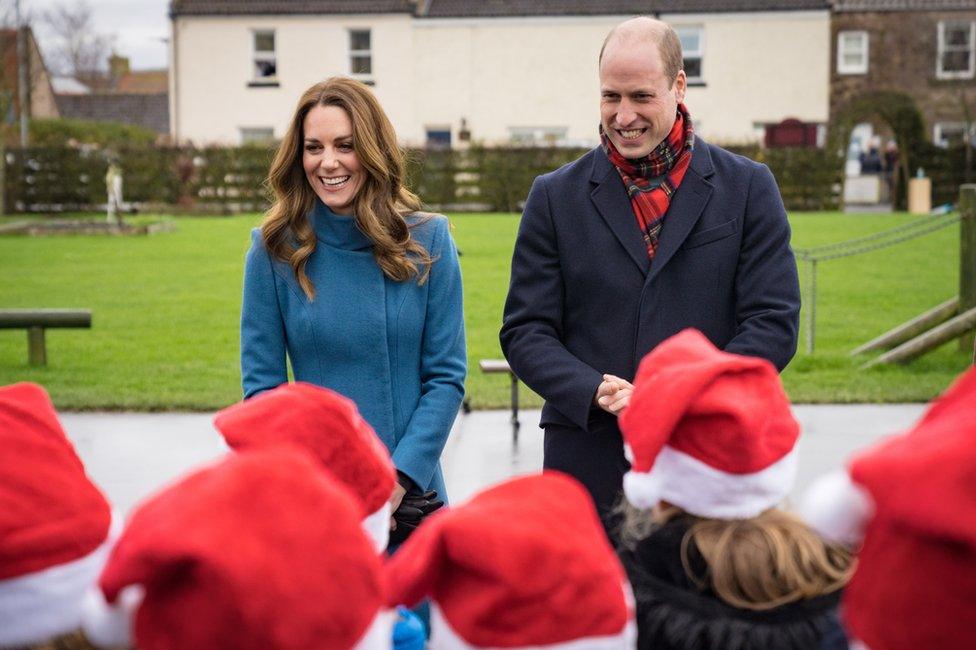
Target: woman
[358, 289]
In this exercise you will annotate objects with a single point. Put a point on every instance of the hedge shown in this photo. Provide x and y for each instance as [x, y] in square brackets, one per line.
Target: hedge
[231, 179]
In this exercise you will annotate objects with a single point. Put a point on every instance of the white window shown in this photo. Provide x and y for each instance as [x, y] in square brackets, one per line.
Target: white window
[852, 52]
[265, 59]
[360, 53]
[692, 50]
[952, 134]
[537, 136]
[257, 134]
[957, 48]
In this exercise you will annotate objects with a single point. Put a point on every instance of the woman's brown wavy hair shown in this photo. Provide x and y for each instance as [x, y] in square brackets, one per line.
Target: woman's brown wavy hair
[380, 205]
[757, 564]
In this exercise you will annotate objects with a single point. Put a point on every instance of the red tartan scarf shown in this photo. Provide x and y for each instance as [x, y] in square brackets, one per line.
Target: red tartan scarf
[669, 159]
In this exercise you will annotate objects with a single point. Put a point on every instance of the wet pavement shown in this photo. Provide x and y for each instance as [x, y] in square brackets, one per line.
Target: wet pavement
[131, 455]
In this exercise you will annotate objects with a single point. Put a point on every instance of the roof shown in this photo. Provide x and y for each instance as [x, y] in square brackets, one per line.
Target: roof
[69, 86]
[482, 8]
[500, 8]
[150, 111]
[903, 5]
[279, 7]
[143, 82]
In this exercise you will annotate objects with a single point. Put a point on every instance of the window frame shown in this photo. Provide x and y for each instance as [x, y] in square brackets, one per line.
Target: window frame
[245, 131]
[941, 50]
[263, 55]
[699, 53]
[865, 52]
[362, 76]
[939, 128]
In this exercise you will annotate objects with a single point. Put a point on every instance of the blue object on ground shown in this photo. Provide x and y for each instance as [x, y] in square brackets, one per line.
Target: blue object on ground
[408, 631]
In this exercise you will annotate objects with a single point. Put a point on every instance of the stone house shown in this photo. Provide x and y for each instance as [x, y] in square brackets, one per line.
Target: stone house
[490, 71]
[925, 48]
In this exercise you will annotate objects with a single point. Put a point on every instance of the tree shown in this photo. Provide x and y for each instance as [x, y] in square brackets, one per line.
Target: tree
[78, 50]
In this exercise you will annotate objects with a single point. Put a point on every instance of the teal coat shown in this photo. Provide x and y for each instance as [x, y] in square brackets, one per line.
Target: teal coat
[395, 348]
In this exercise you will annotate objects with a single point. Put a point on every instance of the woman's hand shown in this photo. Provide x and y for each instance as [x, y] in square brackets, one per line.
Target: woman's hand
[395, 500]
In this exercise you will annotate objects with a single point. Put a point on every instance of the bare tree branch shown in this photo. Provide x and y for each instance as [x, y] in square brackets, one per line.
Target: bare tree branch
[78, 49]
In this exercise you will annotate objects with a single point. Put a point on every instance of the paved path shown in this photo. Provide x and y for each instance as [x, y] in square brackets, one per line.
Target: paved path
[132, 454]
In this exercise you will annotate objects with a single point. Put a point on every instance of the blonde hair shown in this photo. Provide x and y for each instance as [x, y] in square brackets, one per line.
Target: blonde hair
[380, 205]
[757, 564]
[70, 641]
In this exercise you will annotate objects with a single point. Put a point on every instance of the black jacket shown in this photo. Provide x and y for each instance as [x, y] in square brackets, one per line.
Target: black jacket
[674, 613]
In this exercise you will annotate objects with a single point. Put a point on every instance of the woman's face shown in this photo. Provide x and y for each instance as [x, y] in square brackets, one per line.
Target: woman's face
[330, 162]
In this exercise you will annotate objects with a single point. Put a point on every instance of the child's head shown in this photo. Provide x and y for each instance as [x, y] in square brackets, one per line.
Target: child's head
[712, 437]
[524, 564]
[55, 525]
[328, 426]
[758, 563]
[260, 551]
[910, 503]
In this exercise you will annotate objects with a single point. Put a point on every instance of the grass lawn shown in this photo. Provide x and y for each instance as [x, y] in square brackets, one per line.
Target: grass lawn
[166, 308]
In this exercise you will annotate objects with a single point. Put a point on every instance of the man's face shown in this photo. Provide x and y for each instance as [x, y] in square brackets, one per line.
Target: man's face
[638, 103]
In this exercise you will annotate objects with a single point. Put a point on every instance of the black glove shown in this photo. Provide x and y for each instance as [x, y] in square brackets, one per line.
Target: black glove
[414, 508]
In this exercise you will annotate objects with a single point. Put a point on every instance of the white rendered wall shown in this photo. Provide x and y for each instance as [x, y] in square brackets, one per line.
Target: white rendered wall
[210, 96]
[759, 67]
[496, 73]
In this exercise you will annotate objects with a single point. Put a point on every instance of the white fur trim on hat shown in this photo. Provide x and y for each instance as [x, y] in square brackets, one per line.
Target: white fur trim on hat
[837, 508]
[702, 490]
[379, 634]
[110, 626]
[38, 606]
[377, 527]
[443, 636]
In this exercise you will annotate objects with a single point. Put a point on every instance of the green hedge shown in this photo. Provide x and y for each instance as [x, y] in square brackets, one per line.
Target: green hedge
[231, 179]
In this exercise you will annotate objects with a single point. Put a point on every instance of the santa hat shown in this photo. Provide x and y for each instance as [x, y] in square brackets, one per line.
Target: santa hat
[261, 550]
[55, 525]
[708, 431]
[524, 564]
[912, 498]
[329, 426]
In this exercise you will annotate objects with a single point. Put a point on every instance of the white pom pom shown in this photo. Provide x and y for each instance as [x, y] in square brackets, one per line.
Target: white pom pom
[643, 489]
[110, 625]
[837, 508]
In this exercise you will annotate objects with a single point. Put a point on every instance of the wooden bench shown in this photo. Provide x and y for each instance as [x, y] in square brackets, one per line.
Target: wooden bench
[35, 321]
[492, 366]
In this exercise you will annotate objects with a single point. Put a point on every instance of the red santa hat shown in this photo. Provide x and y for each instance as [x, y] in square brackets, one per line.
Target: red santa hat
[55, 525]
[708, 431]
[330, 427]
[261, 551]
[913, 500]
[524, 564]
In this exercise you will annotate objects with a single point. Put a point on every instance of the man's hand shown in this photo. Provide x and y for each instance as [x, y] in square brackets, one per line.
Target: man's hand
[613, 394]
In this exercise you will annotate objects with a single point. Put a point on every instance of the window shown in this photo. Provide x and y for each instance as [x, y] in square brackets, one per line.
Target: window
[257, 134]
[360, 53]
[957, 46]
[265, 59]
[952, 134]
[439, 137]
[852, 52]
[537, 136]
[691, 49]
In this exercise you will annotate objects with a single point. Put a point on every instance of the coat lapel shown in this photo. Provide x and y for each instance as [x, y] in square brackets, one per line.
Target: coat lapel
[610, 199]
[686, 207]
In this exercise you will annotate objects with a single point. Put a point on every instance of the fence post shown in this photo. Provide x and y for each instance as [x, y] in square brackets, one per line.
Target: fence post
[967, 256]
[811, 303]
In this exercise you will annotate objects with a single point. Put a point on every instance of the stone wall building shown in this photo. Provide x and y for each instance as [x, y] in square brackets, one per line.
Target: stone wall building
[925, 48]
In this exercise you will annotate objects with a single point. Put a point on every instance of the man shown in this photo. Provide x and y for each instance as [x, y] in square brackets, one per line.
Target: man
[650, 233]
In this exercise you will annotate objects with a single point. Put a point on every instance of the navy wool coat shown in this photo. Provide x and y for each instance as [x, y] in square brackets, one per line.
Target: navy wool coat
[585, 299]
